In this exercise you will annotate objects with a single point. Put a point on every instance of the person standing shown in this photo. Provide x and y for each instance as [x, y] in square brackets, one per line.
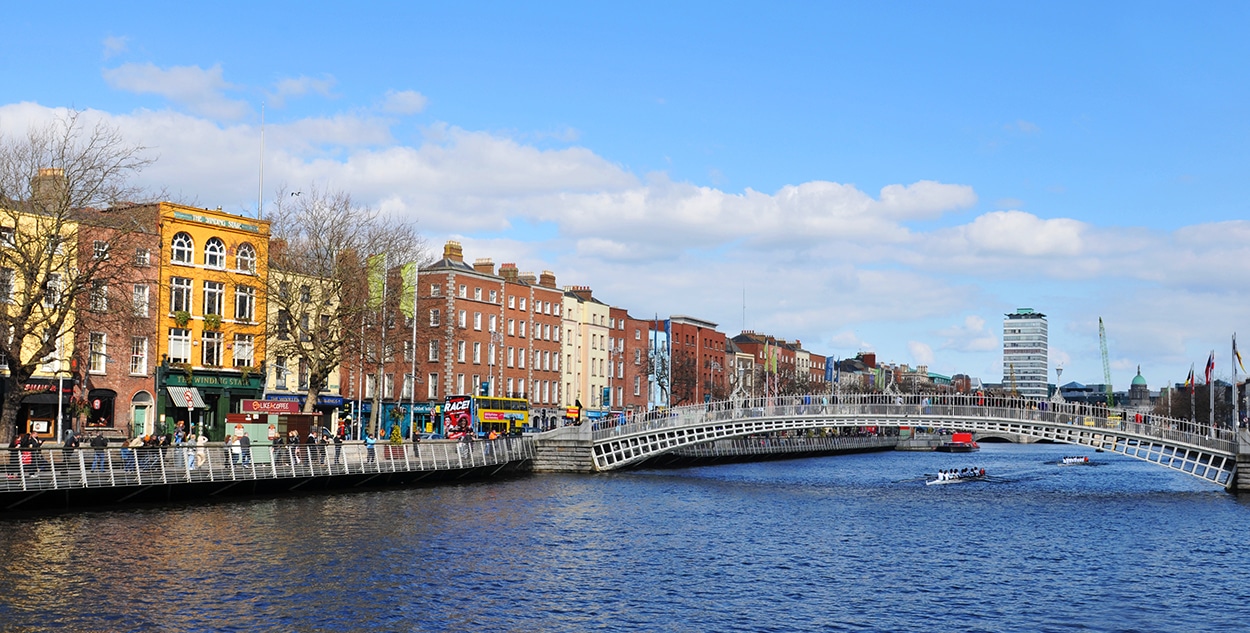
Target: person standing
[339, 438]
[68, 447]
[370, 455]
[99, 461]
[245, 448]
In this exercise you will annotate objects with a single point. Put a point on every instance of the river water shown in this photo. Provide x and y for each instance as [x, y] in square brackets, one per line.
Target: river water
[846, 543]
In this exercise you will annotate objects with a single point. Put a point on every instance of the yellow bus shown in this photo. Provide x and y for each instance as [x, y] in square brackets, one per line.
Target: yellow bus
[479, 415]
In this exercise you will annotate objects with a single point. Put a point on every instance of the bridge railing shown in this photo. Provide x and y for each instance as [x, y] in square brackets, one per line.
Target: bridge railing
[773, 444]
[55, 468]
[927, 410]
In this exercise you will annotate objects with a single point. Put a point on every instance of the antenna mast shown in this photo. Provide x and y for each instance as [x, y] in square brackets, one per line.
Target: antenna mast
[260, 190]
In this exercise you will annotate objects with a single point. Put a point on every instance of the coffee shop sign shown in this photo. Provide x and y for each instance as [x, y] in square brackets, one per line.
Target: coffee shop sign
[270, 406]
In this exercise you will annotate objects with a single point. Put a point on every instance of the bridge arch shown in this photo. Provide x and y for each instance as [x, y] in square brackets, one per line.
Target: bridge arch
[1209, 453]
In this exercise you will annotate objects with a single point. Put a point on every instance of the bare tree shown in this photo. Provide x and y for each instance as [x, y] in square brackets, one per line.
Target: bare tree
[53, 181]
[658, 370]
[685, 376]
[321, 304]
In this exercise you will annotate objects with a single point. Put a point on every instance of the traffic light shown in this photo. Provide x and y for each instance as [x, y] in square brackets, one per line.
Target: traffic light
[483, 389]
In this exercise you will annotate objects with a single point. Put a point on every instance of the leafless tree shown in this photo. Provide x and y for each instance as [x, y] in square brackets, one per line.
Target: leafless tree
[321, 304]
[55, 182]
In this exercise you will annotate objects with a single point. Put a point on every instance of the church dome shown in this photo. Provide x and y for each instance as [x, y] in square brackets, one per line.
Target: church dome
[1139, 380]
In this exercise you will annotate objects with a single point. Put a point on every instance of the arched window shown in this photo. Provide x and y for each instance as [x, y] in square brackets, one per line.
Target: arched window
[183, 249]
[245, 260]
[215, 253]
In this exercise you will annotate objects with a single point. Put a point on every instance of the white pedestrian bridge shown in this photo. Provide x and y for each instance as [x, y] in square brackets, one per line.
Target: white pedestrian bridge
[1200, 450]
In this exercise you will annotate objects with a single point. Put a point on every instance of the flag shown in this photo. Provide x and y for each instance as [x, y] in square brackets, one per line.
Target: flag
[1210, 366]
[376, 269]
[1237, 354]
[1189, 382]
[408, 300]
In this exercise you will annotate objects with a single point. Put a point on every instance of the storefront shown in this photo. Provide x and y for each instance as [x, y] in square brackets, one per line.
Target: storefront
[202, 399]
[38, 410]
[327, 407]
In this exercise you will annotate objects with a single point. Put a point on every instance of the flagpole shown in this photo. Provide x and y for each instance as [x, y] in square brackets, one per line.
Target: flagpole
[412, 395]
[1211, 396]
[1233, 361]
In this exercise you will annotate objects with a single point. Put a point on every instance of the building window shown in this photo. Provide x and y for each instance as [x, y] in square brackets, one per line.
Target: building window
[493, 323]
[179, 345]
[244, 303]
[182, 249]
[245, 259]
[305, 294]
[6, 285]
[435, 317]
[214, 297]
[139, 301]
[6, 236]
[138, 356]
[388, 386]
[511, 302]
[477, 294]
[477, 321]
[99, 249]
[436, 290]
[279, 372]
[406, 390]
[477, 353]
[511, 357]
[511, 327]
[494, 296]
[52, 290]
[521, 329]
[460, 383]
[143, 257]
[179, 294]
[433, 350]
[431, 387]
[99, 353]
[99, 296]
[521, 304]
[407, 351]
[215, 253]
[304, 374]
[244, 350]
[371, 385]
[464, 291]
[460, 351]
[210, 344]
[464, 319]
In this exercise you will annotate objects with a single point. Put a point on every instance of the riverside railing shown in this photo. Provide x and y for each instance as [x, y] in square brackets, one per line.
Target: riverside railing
[53, 468]
[772, 444]
[929, 410]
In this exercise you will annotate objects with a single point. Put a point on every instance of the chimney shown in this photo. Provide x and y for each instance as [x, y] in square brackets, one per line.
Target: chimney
[547, 279]
[508, 271]
[484, 265]
[528, 278]
[452, 251]
[48, 186]
[581, 292]
[869, 359]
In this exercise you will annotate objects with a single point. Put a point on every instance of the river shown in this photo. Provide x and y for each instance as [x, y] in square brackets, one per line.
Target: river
[845, 543]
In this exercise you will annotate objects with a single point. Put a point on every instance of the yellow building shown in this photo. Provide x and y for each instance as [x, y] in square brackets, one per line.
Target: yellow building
[300, 307]
[211, 316]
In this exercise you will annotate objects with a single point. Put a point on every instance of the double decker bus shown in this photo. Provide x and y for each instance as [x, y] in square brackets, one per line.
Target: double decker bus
[479, 415]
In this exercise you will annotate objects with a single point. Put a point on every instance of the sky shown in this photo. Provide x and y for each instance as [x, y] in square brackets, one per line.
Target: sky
[888, 177]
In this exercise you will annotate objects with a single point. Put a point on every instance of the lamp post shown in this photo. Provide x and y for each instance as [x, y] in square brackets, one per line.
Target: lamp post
[60, 400]
[496, 342]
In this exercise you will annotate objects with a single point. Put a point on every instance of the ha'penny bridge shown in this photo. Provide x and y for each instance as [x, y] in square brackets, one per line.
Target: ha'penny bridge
[1207, 452]
[737, 430]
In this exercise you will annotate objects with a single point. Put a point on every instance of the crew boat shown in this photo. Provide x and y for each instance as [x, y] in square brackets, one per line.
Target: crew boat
[956, 476]
[1078, 460]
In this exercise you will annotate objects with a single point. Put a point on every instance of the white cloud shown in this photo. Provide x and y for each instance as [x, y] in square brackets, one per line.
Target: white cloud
[821, 261]
[197, 89]
[289, 87]
[921, 353]
[403, 102]
[115, 45]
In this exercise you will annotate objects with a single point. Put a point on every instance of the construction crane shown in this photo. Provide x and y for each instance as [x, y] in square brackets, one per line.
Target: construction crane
[1106, 364]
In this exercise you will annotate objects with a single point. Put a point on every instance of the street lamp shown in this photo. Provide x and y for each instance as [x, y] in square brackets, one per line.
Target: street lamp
[496, 343]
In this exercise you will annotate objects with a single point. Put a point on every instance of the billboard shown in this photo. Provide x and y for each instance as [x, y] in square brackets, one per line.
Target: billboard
[457, 416]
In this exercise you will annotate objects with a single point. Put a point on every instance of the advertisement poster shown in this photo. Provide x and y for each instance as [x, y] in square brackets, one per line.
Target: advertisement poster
[457, 420]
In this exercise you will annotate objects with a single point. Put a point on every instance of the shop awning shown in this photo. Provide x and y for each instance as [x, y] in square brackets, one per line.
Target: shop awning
[178, 397]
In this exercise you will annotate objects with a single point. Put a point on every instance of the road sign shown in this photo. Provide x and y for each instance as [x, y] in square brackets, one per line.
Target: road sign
[187, 396]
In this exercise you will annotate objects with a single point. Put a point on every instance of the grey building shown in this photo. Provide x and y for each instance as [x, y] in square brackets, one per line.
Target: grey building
[1025, 353]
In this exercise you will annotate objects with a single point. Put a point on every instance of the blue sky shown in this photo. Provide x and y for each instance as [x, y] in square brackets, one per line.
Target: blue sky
[887, 177]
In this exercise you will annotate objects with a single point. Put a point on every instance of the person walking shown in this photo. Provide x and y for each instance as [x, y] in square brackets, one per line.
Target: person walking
[245, 449]
[68, 448]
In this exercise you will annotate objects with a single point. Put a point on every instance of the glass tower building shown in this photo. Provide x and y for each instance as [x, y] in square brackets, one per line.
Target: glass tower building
[1025, 353]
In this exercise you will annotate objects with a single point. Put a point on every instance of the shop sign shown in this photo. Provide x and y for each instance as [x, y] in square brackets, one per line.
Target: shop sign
[270, 406]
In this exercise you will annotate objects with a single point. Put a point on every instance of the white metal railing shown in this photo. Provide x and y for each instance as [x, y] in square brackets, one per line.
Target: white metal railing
[926, 410]
[56, 468]
[773, 444]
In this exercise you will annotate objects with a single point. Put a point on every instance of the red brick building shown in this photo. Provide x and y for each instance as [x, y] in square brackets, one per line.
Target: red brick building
[697, 361]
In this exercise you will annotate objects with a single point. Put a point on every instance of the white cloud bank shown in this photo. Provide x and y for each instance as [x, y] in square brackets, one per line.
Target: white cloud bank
[820, 261]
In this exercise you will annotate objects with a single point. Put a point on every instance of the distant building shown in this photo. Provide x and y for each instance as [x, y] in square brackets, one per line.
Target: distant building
[1025, 353]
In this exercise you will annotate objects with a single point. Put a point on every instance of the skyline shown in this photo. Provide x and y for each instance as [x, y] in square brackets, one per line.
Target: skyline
[892, 179]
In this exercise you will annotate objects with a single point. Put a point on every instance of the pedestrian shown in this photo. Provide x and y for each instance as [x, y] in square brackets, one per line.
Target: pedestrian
[68, 446]
[339, 438]
[245, 448]
[99, 461]
[370, 455]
